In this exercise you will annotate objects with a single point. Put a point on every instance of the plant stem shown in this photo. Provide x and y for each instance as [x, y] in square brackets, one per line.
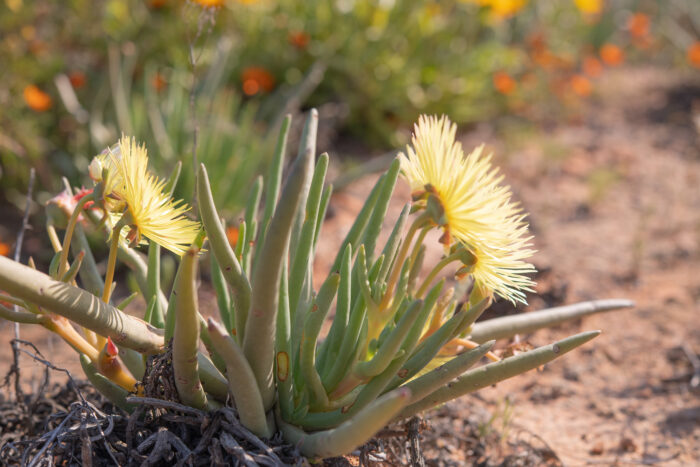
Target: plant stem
[400, 258]
[417, 245]
[436, 270]
[63, 328]
[53, 237]
[63, 263]
[111, 263]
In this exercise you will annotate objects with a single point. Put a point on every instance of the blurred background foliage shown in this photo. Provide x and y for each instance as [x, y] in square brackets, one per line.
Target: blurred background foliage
[78, 73]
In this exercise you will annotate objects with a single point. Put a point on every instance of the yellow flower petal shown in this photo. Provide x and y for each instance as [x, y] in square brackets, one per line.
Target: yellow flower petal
[153, 213]
[477, 207]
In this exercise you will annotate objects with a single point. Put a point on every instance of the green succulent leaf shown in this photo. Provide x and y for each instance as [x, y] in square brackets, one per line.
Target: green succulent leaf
[241, 381]
[492, 373]
[115, 394]
[350, 434]
[230, 267]
[508, 326]
[274, 177]
[258, 343]
[440, 376]
[186, 335]
[316, 314]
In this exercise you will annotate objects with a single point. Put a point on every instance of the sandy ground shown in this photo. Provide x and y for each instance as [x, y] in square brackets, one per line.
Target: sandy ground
[614, 200]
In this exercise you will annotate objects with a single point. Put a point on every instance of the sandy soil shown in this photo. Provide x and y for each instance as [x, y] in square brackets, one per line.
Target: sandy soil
[613, 197]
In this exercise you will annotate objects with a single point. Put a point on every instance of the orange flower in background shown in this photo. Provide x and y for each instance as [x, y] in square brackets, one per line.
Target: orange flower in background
[158, 82]
[544, 58]
[77, 79]
[155, 4]
[257, 79]
[4, 248]
[537, 41]
[612, 55]
[589, 7]
[299, 39]
[541, 54]
[232, 236]
[504, 83]
[37, 99]
[558, 86]
[638, 25]
[592, 67]
[581, 86]
[694, 54]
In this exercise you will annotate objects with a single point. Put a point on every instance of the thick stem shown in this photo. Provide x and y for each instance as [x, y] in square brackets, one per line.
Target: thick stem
[79, 306]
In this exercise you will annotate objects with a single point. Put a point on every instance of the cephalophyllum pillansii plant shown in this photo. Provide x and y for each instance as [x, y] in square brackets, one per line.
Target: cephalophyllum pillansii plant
[400, 341]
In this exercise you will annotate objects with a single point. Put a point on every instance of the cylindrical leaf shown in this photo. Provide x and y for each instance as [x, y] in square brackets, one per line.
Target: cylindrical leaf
[350, 434]
[241, 381]
[258, 343]
[230, 267]
[115, 394]
[186, 335]
[508, 326]
[440, 376]
[492, 373]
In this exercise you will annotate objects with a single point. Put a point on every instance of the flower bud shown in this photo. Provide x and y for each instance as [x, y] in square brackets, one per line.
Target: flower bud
[95, 170]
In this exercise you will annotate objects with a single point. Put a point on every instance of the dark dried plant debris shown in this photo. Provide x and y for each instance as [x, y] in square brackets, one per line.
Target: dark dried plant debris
[74, 425]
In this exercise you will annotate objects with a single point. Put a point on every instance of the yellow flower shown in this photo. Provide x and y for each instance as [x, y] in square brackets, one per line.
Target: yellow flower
[151, 212]
[589, 7]
[478, 211]
[500, 8]
[506, 8]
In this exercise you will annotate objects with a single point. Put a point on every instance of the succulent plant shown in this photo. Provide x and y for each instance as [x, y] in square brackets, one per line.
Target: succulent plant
[396, 345]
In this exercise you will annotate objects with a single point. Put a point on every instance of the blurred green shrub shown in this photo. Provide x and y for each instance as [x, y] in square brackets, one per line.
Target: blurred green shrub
[387, 61]
[129, 64]
[83, 73]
